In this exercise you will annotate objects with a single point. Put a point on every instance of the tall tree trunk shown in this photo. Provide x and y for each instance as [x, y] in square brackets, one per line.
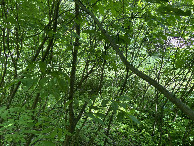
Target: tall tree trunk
[72, 118]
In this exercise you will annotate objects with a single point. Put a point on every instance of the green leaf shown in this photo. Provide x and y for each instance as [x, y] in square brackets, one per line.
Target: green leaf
[55, 92]
[11, 20]
[101, 9]
[42, 66]
[91, 115]
[104, 103]
[31, 66]
[120, 116]
[89, 31]
[125, 98]
[113, 11]
[50, 33]
[100, 115]
[28, 82]
[67, 103]
[92, 1]
[55, 74]
[180, 12]
[134, 119]
[67, 133]
[59, 134]
[164, 37]
[66, 76]
[53, 133]
[169, 9]
[114, 106]
[3, 108]
[63, 84]
[89, 101]
[99, 121]
[76, 103]
[43, 81]
[4, 115]
[95, 107]
[47, 143]
[124, 105]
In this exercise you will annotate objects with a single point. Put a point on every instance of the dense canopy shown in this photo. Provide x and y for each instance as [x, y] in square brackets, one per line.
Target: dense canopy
[96, 72]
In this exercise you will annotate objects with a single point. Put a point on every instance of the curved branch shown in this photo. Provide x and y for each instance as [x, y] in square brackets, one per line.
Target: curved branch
[183, 107]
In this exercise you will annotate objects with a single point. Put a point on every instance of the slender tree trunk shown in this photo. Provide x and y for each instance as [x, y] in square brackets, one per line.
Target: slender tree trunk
[72, 123]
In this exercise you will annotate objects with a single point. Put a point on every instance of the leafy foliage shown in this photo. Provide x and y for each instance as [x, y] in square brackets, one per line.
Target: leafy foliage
[61, 83]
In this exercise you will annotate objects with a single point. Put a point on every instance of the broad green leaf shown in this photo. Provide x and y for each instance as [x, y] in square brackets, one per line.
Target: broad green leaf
[63, 84]
[100, 115]
[43, 81]
[134, 119]
[104, 103]
[113, 11]
[169, 9]
[92, 1]
[42, 66]
[124, 105]
[28, 82]
[55, 74]
[11, 20]
[47, 143]
[101, 9]
[76, 103]
[180, 12]
[55, 92]
[164, 37]
[114, 106]
[91, 115]
[2, 109]
[120, 116]
[53, 133]
[31, 66]
[99, 121]
[59, 134]
[4, 115]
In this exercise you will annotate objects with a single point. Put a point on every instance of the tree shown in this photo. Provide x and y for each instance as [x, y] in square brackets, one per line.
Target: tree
[74, 71]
